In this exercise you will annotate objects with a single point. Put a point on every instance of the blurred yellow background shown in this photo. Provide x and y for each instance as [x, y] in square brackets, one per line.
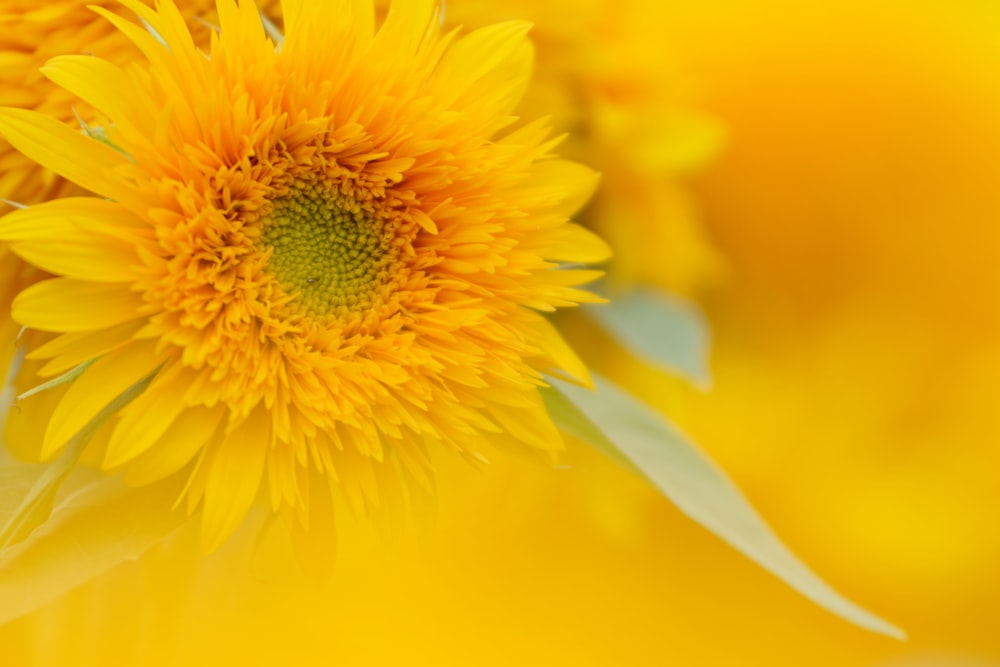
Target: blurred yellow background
[857, 351]
[856, 354]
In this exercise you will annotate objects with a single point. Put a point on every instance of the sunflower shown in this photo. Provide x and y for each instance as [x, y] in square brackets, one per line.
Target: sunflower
[30, 35]
[323, 256]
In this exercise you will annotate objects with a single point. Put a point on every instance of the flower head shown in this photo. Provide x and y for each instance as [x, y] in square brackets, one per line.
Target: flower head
[323, 256]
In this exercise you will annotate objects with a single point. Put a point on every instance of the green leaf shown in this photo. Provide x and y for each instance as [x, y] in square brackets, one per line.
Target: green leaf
[660, 328]
[97, 523]
[571, 421]
[637, 436]
[68, 376]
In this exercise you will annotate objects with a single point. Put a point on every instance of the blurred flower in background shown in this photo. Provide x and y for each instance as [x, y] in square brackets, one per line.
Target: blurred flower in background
[857, 356]
[604, 75]
[855, 315]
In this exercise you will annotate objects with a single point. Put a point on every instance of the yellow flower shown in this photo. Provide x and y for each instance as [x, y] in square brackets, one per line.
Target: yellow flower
[31, 34]
[323, 258]
[545, 543]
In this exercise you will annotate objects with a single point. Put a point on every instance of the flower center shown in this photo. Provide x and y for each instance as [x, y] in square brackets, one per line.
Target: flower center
[327, 249]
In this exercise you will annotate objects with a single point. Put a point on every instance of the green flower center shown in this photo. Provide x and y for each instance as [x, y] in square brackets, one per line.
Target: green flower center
[327, 249]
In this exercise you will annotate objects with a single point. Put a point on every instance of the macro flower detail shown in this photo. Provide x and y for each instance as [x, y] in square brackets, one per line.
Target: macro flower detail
[324, 254]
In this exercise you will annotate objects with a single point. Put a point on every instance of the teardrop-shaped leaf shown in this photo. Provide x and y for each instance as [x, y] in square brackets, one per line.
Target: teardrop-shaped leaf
[637, 436]
[660, 328]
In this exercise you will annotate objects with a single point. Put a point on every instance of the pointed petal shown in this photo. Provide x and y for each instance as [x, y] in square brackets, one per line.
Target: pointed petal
[66, 304]
[568, 185]
[562, 355]
[145, 421]
[487, 70]
[99, 385]
[315, 544]
[94, 80]
[71, 349]
[235, 468]
[406, 26]
[187, 435]
[71, 154]
[578, 245]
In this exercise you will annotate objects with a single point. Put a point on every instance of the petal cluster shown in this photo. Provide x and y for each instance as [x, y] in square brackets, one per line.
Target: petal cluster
[327, 252]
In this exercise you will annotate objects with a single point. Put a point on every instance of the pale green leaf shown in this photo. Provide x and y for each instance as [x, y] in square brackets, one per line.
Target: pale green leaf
[571, 421]
[660, 328]
[68, 376]
[626, 429]
[97, 522]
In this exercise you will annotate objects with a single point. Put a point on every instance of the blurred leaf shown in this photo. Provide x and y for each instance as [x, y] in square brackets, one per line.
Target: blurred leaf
[571, 421]
[634, 434]
[49, 547]
[36, 505]
[31, 509]
[97, 523]
[16, 480]
[661, 328]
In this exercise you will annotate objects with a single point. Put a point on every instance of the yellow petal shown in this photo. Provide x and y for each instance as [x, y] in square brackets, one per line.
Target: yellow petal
[50, 220]
[47, 219]
[487, 69]
[316, 544]
[406, 26]
[66, 304]
[71, 154]
[579, 245]
[357, 477]
[95, 81]
[530, 426]
[99, 385]
[72, 349]
[112, 262]
[176, 53]
[235, 467]
[147, 418]
[186, 436]
[78, 237]
[566, 362]
[565, 186]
